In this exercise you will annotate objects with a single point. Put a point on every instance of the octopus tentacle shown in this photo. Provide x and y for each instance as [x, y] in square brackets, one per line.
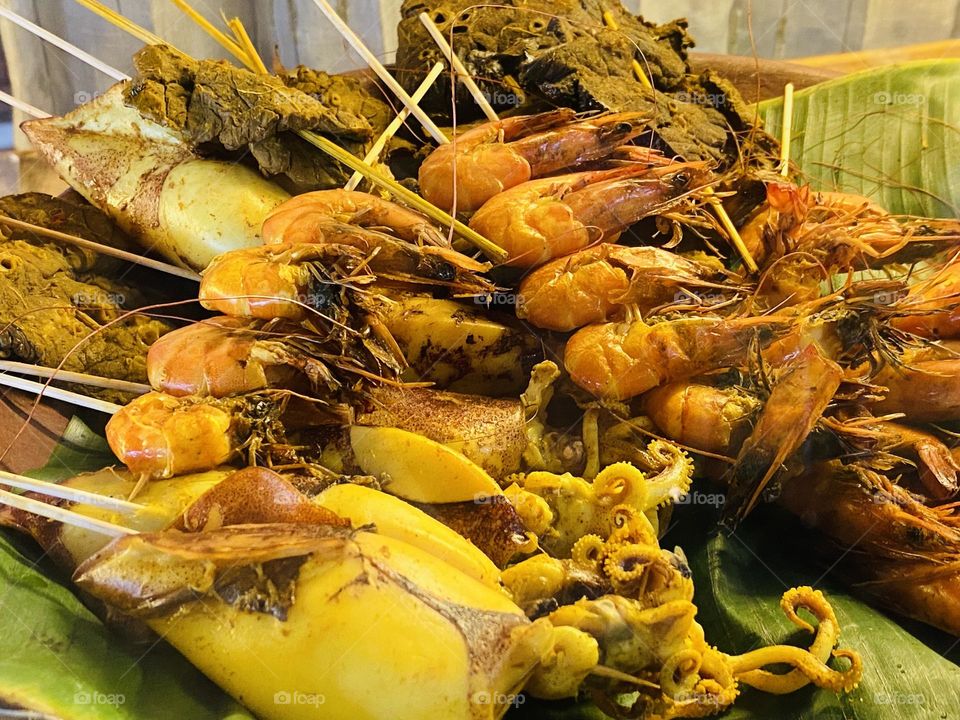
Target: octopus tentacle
[627, 565]
[826, 636]
[588, 551]
[622, 484]
[629, 525]
[674, 480]
[803, 661]
[697, 683]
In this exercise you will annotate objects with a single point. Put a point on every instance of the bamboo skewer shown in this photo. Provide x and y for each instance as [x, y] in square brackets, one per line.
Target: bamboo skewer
[247, 44]
[68, 493]
[490, 249]
[59, 42]
[23, 106]
[357, 44]
[11, 366]
[787, 130]
[19, 383]
[229, 45]
[374, 154]
[714, 202]
[731, 230]
[611, 23]
[118, 19]
[100, 248]
[63, 515]
[459, 68]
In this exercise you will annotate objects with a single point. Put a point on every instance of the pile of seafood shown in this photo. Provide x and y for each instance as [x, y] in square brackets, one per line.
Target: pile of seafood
[368, 424]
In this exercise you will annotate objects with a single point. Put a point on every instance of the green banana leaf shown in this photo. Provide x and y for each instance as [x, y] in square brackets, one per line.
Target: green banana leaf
[58, 660]
[891, 133]
[80, 450]
[739, 580]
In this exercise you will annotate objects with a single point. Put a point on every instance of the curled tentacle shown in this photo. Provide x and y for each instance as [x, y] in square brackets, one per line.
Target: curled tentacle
[563, 669]
[803, 661]
[533, 510]
[629, 525]
[697, 683]
[588, 550]
[674, 478]
[560, 509]
[628, 564]
[621, 484]
[809, 665]
[827, 633]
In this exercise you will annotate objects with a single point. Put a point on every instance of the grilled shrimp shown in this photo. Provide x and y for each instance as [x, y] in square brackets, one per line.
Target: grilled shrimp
[904, 553]
[226, 356]
[296, 281]
[841, 230]
[160, 436]
[933, 305]
[544, 219]
[216, 357]
[597, 283]
[925, 390]
[307, 218]
[800, 394]
[704, 417]
[495, 156]
[618, 361]
[937, 465]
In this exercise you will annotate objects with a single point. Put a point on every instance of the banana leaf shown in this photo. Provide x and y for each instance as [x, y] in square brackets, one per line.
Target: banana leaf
[891, 133]
[739, 580]
[57, 660]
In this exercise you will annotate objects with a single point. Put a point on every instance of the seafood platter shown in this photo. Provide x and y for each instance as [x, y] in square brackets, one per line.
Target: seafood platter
[539, 375]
